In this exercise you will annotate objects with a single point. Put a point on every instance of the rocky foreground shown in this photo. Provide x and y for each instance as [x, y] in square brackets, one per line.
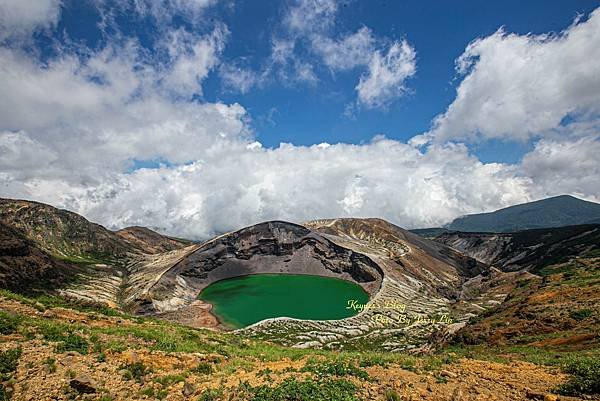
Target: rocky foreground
[50, 352]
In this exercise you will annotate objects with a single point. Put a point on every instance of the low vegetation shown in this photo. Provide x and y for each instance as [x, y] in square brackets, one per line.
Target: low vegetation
[8, 364]
[585, 377]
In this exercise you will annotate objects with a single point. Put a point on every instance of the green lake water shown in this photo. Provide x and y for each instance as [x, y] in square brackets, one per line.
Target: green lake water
[241, 301]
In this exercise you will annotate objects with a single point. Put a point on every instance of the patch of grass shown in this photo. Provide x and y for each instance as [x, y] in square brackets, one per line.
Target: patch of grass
[169, 380]
[236, 365]
[21, 298]
[9, 360]
[584, 379]
[45, 301]
[52, 331]
[204, 368]
[308, 390]
[391, 395]
[373, 360]
[73, 342]
[9, 322]
[4, 395]
[534, 354]
[580, 314]
[212, 394]
[264, 372]
[151, 392]
[334, 368]
[136, 370]
[51, 364]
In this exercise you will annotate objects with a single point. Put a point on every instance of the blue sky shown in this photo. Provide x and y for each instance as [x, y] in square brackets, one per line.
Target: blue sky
[305, 114]
[439, 31]
[172, 113]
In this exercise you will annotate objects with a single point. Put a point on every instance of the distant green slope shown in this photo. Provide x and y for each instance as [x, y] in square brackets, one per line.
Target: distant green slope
[558, 211]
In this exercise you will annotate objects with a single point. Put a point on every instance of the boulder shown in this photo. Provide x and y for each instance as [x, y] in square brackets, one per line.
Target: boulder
[83, 384]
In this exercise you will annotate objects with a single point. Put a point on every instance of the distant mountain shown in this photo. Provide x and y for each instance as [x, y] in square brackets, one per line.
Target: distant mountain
[62, 233]
[558, 211]
[72, 237]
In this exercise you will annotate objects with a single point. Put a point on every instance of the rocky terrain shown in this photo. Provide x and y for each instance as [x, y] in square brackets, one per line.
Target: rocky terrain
[24, 266]
[557, 308]
[150, 241]
[62, 233]
[526, 250]
[43, 248]
[417, 286]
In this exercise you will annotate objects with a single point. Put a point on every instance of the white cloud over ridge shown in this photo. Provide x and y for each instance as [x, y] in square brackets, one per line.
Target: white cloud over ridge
[234, 185]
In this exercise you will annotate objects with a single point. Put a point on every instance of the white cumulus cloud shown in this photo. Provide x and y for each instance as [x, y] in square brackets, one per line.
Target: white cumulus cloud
[522, 86]
[20, 18]
[387, 74]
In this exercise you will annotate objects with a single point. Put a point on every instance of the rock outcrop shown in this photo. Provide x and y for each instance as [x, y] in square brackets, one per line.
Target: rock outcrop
[525, 250]
[24, 267]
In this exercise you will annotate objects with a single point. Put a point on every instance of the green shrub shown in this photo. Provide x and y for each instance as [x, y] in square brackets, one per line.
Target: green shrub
[212, 394]
[8, 364]
[169, 380]
[4, 396]
[334, 368]
[391, 395]
[9, 322]
[52, 331]
[135, 371]
[51, 364]
[580, 314]
[73, 342]
[203, 368]
[309, 390]
[9, 360]
[148, 392]
[585, 377]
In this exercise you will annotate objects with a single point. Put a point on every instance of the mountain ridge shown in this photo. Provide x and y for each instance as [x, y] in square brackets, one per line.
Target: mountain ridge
[557, 211]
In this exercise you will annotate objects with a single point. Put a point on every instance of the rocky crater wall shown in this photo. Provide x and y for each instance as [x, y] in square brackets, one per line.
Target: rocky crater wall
[271, 247]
